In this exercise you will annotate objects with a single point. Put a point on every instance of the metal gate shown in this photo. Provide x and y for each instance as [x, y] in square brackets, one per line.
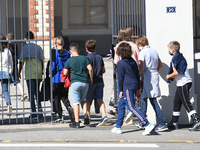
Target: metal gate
[18, 17]
[127, 13]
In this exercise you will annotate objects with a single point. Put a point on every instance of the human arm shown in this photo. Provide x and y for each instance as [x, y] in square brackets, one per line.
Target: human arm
[10, 62]
[103, 69]
[141, 67]
[66, 72]
[120, 76]
[173, 74]
[20, 69]
[121, 94]
[90, 71]
[160, 65]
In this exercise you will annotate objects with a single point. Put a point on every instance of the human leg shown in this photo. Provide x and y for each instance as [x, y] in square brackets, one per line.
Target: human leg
[129, 97]
[188, 106]
[159, 114]
[66, 102]
[7, 95]
[57, 96]
[5, 91]
[31, 92]
[176, 110]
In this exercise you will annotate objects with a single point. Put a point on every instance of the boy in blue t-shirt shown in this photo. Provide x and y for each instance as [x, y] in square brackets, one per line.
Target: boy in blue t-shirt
[129, 87]
[95, 90]
[79, 67]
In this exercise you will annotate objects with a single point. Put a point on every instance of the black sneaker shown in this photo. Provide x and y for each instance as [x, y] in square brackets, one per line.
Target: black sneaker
[33, 117]
[40, 115]
[74, 124]
[71, 114]
[172, 126]
[86, 119]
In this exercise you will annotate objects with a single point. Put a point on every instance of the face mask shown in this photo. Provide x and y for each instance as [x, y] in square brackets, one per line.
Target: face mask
[140, 48]
[170, 53]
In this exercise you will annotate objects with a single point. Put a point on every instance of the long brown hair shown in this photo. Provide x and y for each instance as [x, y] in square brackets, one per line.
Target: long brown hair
[3, 45]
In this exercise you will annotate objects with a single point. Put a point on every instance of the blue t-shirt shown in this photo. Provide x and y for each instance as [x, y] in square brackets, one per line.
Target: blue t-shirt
[97, 63]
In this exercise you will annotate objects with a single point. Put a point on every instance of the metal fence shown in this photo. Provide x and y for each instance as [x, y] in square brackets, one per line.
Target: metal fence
[127, 14]
[15, 18]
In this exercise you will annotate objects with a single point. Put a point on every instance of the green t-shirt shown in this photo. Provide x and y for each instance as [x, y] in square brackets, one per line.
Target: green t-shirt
[78, 68]
[34, 66]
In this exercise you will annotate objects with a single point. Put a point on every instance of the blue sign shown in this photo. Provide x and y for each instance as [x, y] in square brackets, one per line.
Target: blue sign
[171, 9]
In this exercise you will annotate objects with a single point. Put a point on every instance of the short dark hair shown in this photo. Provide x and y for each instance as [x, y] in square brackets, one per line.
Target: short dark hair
[73, 47]
[3, 45]
[90, 45]
[10, 36]
[29, 35]
[124, 50]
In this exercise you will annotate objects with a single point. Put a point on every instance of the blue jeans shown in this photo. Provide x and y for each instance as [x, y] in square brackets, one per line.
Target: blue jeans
[33, 90]
[129, 101]
[5, 91]
[156, 107]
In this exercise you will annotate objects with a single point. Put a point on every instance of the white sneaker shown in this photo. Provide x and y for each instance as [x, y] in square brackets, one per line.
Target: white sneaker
[130, 122]
[148, 129]
[128, 117]
[116, 130]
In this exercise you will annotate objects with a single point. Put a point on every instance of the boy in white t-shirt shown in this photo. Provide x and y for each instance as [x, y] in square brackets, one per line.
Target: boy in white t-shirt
[178, 70]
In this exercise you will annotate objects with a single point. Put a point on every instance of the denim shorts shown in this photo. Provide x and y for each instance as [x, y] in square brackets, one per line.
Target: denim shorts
[95, 91]
[79, 91]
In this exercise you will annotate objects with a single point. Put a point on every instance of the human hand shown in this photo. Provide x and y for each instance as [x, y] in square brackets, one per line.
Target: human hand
[121, 95]
[90, 81]
[138, 94]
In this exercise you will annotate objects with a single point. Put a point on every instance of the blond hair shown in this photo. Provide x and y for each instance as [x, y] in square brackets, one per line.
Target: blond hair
[174, 45]
[60, 41]
[142, 40]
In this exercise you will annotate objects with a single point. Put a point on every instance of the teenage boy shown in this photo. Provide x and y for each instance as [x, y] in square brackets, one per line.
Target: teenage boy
[178, 70]
[79, 67]
[96, 89]
[32, 56]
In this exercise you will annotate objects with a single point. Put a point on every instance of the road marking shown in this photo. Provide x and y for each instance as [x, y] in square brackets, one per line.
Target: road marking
[75, 145]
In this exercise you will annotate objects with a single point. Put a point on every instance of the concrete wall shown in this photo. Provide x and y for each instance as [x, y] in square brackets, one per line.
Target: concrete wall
[163, 27]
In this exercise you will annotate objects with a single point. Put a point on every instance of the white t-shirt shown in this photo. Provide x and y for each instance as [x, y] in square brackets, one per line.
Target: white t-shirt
[182, 79]
[150, 58]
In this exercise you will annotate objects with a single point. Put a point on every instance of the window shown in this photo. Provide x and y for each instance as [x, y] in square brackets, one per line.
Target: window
[87, 13]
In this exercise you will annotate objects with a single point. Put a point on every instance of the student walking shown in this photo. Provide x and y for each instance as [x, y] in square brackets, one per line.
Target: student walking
[79, 67]
[129, 87]
[32, 56]
[95, 90]
[6, 68]
[59, 57]
[179, 70]
[14, 50]
[150, 64]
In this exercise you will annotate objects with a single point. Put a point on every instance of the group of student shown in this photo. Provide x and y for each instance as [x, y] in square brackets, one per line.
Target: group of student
[86, 79]
[85, 76]
[135, 60]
